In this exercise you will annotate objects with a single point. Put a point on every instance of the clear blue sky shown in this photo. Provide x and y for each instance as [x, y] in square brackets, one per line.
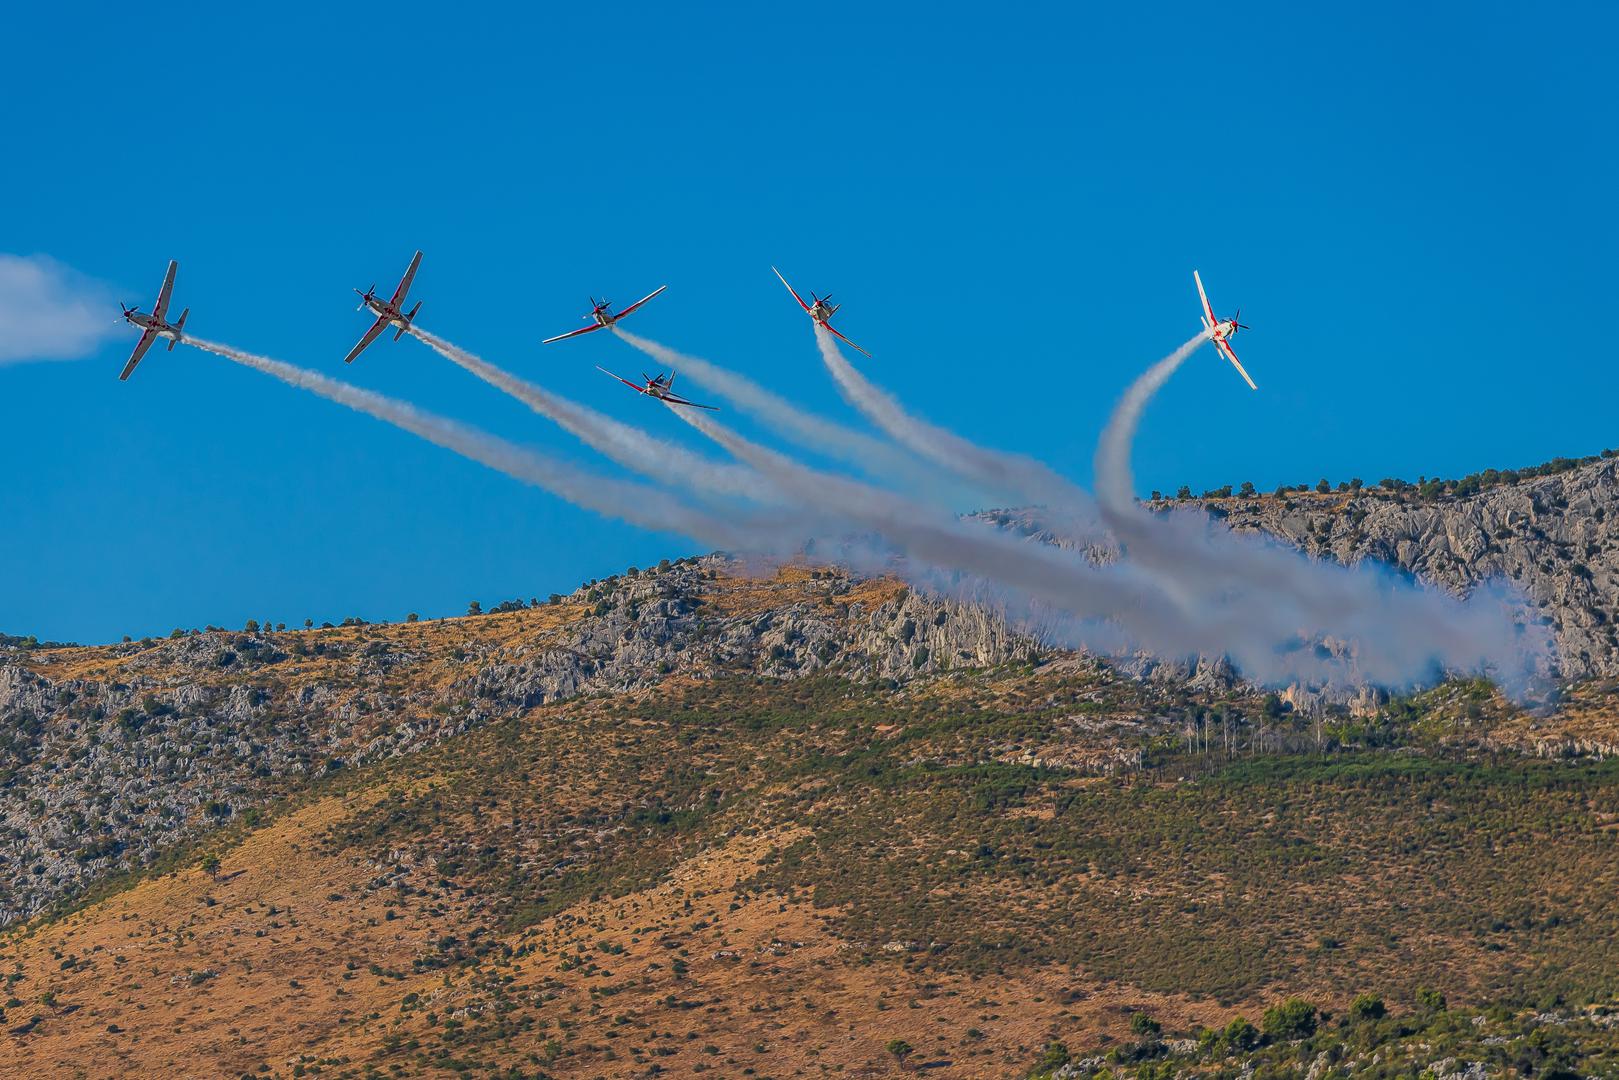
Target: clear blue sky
[1414, 209]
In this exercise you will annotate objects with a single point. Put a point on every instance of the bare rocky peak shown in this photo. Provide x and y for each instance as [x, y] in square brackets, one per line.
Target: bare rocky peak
[1555, 539]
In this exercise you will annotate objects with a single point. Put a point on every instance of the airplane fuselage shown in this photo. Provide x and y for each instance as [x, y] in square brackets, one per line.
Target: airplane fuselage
[384, 310]
[1221, 330]
[151, 322]
[821, 312]
[604, 317]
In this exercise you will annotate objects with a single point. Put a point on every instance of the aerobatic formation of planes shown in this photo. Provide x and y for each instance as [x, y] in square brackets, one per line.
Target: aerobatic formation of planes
[391, 312]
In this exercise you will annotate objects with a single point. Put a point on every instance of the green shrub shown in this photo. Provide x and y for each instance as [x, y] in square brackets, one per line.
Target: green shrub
[1294, 1018]
[1367, 1007]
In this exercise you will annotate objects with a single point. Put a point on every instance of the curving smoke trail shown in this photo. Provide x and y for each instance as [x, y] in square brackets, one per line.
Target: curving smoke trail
[1184, 587]
[1271, 609]
[1114, 481]
[1177, 594]
[1002, 473]
[1102, 606]
[871, 455]
[638, 504]
[625, 444]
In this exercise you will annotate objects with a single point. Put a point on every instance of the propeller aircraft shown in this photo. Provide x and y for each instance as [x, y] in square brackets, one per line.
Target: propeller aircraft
[389, 312]
[602, 314]
[156, 324]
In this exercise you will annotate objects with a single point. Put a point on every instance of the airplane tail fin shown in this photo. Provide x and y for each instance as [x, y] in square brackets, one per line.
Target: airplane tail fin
[408, 319]
[179, 327]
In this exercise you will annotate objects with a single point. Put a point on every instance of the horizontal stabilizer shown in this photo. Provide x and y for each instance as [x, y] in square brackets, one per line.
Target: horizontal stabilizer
[408, 317]
[179, 326]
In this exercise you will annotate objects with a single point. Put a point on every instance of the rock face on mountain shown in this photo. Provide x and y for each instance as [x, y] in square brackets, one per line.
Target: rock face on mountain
[652, 628]
[105, 762]
[1555, 538]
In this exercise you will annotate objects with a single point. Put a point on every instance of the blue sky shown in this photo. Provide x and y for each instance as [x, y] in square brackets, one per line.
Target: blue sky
[1414, 209]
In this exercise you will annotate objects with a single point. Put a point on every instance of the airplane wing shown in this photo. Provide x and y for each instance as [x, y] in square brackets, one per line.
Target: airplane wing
[575, 333]
[1208, 312]
[641, 301]
[846, 341]
[404, 282]
[161, 308]
[140, 347]
[637, 387]
[370, 336]
[1225, 350]
[800, 299]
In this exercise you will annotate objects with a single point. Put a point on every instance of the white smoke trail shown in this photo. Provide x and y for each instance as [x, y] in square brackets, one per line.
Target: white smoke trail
[1005, 474]
[1268, 608]
[625, 444]
[1113, 477]
[873, 456]
[634, 503]
[1275, 615]
[1091, 595]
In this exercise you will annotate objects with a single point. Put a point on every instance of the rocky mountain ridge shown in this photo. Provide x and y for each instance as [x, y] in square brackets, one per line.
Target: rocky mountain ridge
[1555, 538]
[107, 758]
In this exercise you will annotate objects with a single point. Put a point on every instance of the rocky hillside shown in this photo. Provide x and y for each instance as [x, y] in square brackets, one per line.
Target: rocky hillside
[108, 755]
[1555, 537]
[696, 819]
[982, 873]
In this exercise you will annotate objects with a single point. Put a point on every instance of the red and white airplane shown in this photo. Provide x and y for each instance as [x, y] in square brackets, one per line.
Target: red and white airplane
[821, 311]
[389, 312]
[602, 314]
[155, 325]
[657, 387]
[1221, 331]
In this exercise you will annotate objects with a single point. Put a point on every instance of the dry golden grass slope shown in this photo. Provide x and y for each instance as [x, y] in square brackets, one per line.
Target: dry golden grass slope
[287, 959]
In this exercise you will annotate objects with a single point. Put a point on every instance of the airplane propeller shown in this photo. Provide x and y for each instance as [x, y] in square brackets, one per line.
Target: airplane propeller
[1236, 320]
